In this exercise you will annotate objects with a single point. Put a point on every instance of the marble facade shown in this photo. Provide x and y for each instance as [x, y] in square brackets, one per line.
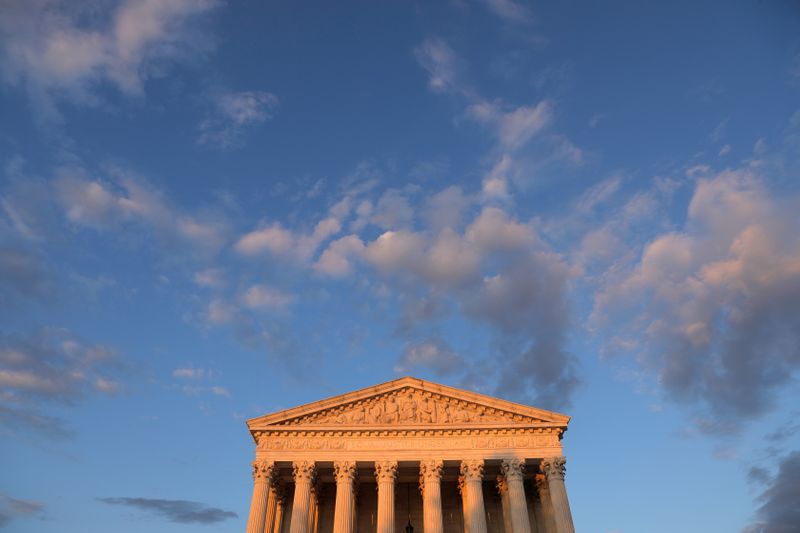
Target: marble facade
[409, 451]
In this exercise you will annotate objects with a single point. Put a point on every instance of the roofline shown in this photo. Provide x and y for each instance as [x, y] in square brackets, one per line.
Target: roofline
[386, 386]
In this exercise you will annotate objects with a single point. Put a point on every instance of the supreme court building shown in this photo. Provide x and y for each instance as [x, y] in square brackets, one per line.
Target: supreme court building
[409, 454]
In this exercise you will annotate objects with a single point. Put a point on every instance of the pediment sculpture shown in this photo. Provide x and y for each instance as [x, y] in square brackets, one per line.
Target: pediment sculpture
[409, 406]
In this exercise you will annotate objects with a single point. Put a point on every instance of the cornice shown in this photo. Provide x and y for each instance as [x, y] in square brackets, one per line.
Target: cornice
[461, 395]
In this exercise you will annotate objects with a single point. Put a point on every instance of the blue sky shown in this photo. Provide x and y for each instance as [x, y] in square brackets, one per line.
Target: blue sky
[210, 211]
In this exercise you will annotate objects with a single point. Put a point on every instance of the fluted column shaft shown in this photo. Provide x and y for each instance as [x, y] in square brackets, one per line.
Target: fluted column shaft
[554, 469]
[272, 505]
[280, 506]
[502, 490]
[546, 504]
[430, 481]
[514, 470]
[262, 481]
[386, 475]
[304, 473]
[313, 507]
[472, 471]
[462, 490]
[345, 472]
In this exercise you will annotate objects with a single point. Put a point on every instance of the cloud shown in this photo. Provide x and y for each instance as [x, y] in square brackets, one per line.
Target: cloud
[600, 194]
[260, 297]
[516, 126]
[213, 278]
[234, 113]
[527, 303]
[125, 198]
[59, 51]
[441, 63]
[190, 376]
[446, 260]
[445, 209]
[337, 259]
[494, 230]
[433, 354]
[780, 512]
[51, 366]
[178, 511]
[13, 419]
[24, 272]
[393, 211]
[189, 372]
[717, 302]
[498, 273]
[219, 312]
[273, 238]
[495, 183]
[509, 10]
[296, 245]
[13, 508]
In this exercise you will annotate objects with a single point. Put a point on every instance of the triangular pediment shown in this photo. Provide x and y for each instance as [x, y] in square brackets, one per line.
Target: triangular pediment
[409, 402]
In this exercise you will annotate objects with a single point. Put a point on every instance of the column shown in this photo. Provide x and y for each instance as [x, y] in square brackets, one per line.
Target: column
[313, 507]
[304, 474]
[280, 507]
[262, 478]
[343, 516]
[472, 470]
[462, 490]
[554, 469]
[548, 519]
[514, 470]
[430, 483]
[502, 490]
[538, 510]
[272, 506]
[386, 475]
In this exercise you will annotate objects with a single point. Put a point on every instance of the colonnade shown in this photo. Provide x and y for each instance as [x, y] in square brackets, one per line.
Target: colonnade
[551, 508]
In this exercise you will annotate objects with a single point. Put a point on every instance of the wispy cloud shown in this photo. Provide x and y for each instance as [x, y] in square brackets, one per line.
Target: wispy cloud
[233, 114]
[442, 65]
[779, 511]
[178, 511]
[68, 52]
[122, 196]
[13, 508]
[717, 300]
[51, 366]
[433, 354]
[523, 140]
[509, 10]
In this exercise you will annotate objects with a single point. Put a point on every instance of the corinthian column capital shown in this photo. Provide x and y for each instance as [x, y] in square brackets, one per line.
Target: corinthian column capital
[263, 470]
[431, 469]
[345, 471]
[513, 469]
[472, 469]
[386, 471]
[554, 467]
[304, 470]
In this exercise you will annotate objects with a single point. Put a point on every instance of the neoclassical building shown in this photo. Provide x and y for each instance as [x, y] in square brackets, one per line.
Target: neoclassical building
[409, 454]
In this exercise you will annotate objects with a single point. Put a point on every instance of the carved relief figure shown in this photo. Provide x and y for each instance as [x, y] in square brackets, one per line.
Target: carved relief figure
[375, 413]
[426, 411]
[408, 406]
[391, 412]
[443, 412]
[358, 415]
[408, 409]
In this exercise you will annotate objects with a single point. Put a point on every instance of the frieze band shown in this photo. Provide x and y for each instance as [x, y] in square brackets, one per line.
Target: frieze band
[464, 443]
